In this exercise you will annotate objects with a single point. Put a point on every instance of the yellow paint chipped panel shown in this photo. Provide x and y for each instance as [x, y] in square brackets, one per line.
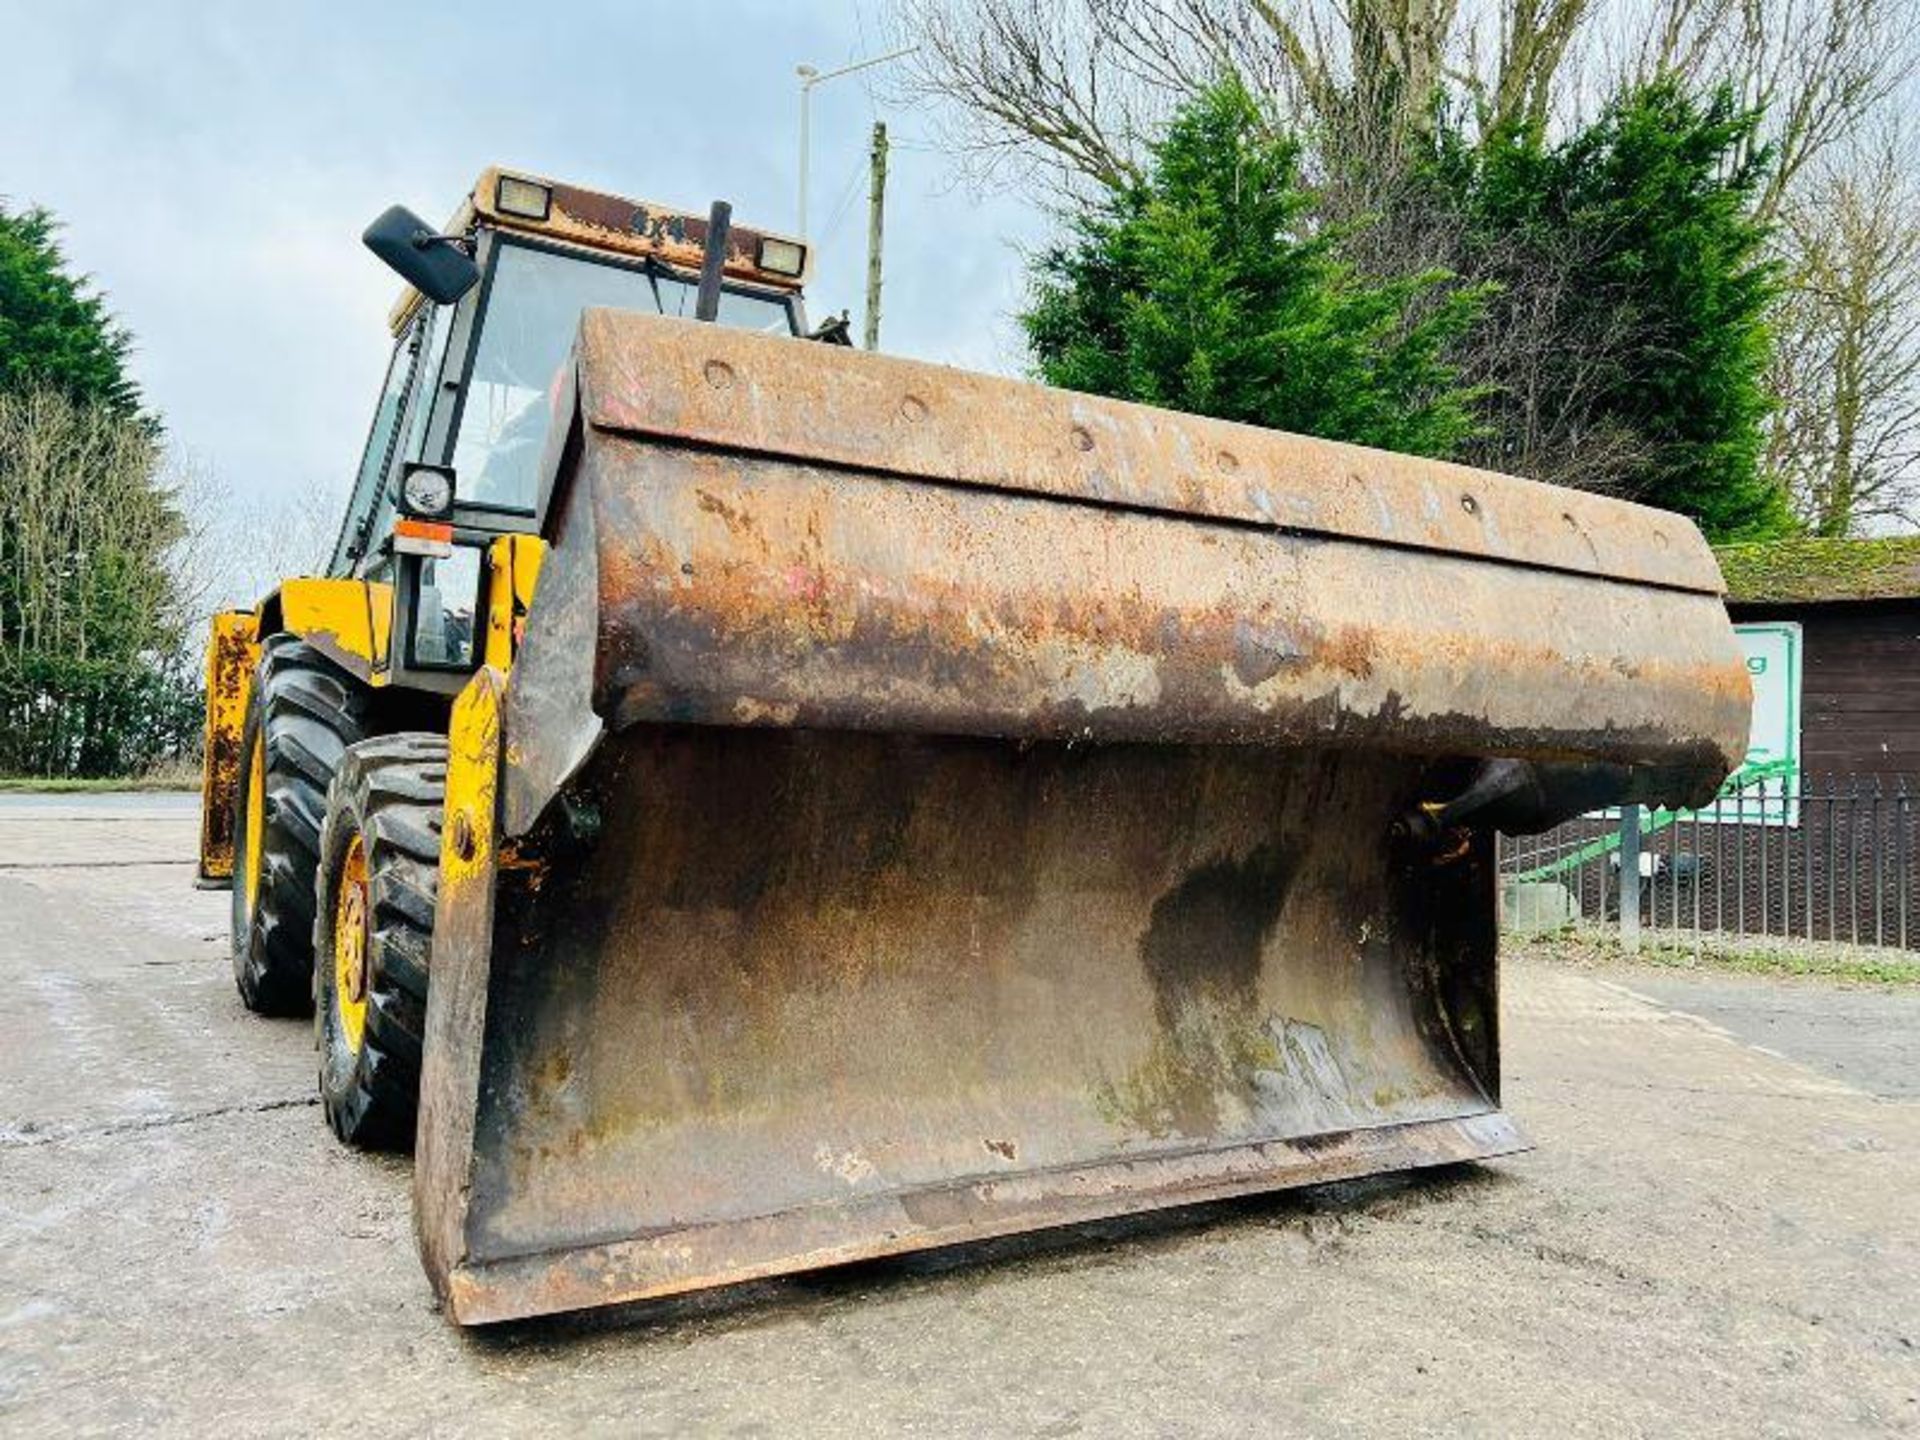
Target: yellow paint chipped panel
[350, 621]
[233, 648]
[513, 565]
[473, 770]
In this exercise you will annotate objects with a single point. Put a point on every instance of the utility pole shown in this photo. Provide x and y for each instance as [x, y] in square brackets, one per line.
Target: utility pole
[876, 224]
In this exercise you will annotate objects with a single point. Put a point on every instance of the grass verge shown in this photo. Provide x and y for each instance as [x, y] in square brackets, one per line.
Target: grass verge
[41, 785]
[1726, 954]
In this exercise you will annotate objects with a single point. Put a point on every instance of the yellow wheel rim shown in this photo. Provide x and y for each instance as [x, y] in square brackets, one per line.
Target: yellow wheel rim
[256, 803]
[350, 945]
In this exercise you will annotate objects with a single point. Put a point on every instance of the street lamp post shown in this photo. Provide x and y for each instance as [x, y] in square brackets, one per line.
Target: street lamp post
[810, 77]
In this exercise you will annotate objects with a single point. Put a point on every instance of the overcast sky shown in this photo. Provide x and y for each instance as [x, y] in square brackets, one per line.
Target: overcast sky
[214, 162]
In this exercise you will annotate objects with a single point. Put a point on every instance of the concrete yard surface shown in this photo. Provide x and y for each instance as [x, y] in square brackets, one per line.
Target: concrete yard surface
[1719, 1234]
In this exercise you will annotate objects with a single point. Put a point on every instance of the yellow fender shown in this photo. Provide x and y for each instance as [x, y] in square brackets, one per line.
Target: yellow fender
[348, 621]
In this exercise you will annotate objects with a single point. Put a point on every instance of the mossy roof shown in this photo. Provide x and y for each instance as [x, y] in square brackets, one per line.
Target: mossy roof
[1811, 570]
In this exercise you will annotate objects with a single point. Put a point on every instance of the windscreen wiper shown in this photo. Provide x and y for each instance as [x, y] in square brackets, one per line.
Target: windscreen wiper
[652, 271]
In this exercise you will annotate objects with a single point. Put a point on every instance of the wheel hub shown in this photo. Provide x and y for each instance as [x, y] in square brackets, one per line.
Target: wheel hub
[350, 945]
[251, 858]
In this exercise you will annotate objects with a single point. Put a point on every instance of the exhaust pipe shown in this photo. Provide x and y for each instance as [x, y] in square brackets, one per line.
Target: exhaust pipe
[719, 224]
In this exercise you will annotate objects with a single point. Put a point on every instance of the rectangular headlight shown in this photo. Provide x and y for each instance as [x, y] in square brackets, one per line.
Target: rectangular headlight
[524, 198]
[782, 257]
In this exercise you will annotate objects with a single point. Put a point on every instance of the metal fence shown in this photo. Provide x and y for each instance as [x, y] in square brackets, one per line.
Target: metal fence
[1829, 858]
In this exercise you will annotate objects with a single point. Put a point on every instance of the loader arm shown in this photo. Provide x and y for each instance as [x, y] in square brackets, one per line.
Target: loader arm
[926, 806]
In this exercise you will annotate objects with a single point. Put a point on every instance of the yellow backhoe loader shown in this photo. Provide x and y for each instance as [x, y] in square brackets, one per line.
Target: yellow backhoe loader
[767, 804]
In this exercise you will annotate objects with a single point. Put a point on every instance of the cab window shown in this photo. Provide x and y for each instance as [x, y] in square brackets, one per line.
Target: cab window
[532, 312]
[373, 460]
[415, 407]
[399, 426]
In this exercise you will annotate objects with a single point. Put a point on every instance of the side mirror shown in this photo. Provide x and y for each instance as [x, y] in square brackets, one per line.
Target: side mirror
[427, 260]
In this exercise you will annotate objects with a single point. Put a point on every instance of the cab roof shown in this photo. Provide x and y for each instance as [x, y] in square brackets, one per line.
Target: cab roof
[593, 220]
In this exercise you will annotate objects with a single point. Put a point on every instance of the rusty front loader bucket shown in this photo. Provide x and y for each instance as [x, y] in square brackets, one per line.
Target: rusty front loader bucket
[927, 807]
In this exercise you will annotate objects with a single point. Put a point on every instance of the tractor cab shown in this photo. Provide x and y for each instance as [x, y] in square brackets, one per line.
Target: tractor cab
[482, 339]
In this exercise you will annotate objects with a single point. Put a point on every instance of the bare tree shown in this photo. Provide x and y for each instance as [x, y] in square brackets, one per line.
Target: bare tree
[1079, 86]
[251, 542]
[1546, 417]
[90, 614]
[1817, 70]
[1846, 361]
[1037, 88]
[81, 530]
[1070, 92]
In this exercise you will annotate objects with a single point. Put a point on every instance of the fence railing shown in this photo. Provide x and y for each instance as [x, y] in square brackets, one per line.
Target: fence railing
[1829, 858]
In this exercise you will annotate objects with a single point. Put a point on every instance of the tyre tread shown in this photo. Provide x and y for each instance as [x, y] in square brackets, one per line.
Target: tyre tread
[389, 790]
[305, 715]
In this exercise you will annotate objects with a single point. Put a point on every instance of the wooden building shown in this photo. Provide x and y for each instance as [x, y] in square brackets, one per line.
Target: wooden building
[1822, 841]
[1857, 603]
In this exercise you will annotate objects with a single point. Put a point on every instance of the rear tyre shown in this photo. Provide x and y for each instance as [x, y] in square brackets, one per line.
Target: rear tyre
[303, 715]
[379, 873]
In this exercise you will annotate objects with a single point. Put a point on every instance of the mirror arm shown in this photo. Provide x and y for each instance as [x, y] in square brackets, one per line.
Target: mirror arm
[463, 243]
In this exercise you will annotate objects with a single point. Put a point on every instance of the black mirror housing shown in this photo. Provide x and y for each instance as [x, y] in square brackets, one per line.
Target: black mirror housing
[423, 257]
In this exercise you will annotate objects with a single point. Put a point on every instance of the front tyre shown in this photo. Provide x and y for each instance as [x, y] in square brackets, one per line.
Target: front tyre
[373, 931]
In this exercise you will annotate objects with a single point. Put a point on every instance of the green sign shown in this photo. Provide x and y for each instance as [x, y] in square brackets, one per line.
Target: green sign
[1767, 785]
